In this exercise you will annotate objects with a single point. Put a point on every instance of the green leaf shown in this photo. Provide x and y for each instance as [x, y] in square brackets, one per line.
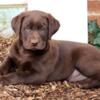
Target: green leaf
[93, 27]
[96, 41]
[98, 35]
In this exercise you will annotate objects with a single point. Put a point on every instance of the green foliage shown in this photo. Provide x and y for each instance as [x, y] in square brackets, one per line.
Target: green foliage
[94, 33]
[93, 27]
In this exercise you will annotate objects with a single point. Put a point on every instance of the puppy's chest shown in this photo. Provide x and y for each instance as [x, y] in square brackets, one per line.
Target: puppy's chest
[25, 58]
[28, 60]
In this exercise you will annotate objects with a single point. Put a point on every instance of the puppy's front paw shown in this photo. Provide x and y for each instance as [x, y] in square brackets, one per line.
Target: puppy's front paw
[4, 80]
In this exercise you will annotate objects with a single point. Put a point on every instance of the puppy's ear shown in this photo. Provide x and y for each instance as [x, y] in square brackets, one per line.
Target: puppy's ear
[17, 22]
[53, 25]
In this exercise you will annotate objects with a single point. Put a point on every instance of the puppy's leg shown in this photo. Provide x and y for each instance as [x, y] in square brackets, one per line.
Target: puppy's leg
[90, 69]
[82, 81]
[23, 77]
[88, 83]
[7, 65]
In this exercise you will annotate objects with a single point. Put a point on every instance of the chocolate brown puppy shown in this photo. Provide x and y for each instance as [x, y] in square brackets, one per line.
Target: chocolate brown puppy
[35, 58]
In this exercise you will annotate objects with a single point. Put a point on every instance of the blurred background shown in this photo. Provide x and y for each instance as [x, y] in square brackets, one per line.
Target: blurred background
[72, 15]
[94, 22]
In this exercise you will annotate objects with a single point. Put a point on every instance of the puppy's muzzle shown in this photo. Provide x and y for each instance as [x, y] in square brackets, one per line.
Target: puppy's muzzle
[34, 42]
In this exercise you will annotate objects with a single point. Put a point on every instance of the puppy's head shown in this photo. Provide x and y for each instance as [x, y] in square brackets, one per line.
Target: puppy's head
[34, 29]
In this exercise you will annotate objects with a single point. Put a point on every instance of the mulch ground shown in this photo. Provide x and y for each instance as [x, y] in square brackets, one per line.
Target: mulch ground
[48, 91]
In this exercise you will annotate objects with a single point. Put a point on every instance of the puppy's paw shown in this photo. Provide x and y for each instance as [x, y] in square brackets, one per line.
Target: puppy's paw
[4, 80]
[84, 86]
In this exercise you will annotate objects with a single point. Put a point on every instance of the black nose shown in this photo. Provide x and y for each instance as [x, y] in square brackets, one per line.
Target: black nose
[34, 42]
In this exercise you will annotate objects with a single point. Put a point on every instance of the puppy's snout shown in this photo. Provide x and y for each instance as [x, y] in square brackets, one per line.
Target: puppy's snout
[34, 42]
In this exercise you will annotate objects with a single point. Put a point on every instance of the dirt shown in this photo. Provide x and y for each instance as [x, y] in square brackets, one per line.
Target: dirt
[48, 91]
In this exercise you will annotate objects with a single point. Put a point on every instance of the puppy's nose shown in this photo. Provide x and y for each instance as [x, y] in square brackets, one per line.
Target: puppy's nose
[34, 42]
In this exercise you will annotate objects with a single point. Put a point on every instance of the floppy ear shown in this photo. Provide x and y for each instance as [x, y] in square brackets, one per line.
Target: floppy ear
[17, 22]
[53, 25]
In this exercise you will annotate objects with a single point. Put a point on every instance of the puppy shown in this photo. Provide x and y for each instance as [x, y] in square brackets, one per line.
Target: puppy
[34, 58]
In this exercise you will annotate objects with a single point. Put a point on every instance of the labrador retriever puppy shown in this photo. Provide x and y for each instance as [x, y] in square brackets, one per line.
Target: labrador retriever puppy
[35, 58]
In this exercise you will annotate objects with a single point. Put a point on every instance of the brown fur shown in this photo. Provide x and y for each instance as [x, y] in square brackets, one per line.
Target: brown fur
[35, 58]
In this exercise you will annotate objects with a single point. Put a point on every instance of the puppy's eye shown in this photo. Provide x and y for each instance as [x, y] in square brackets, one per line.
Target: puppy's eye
[40, 27]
